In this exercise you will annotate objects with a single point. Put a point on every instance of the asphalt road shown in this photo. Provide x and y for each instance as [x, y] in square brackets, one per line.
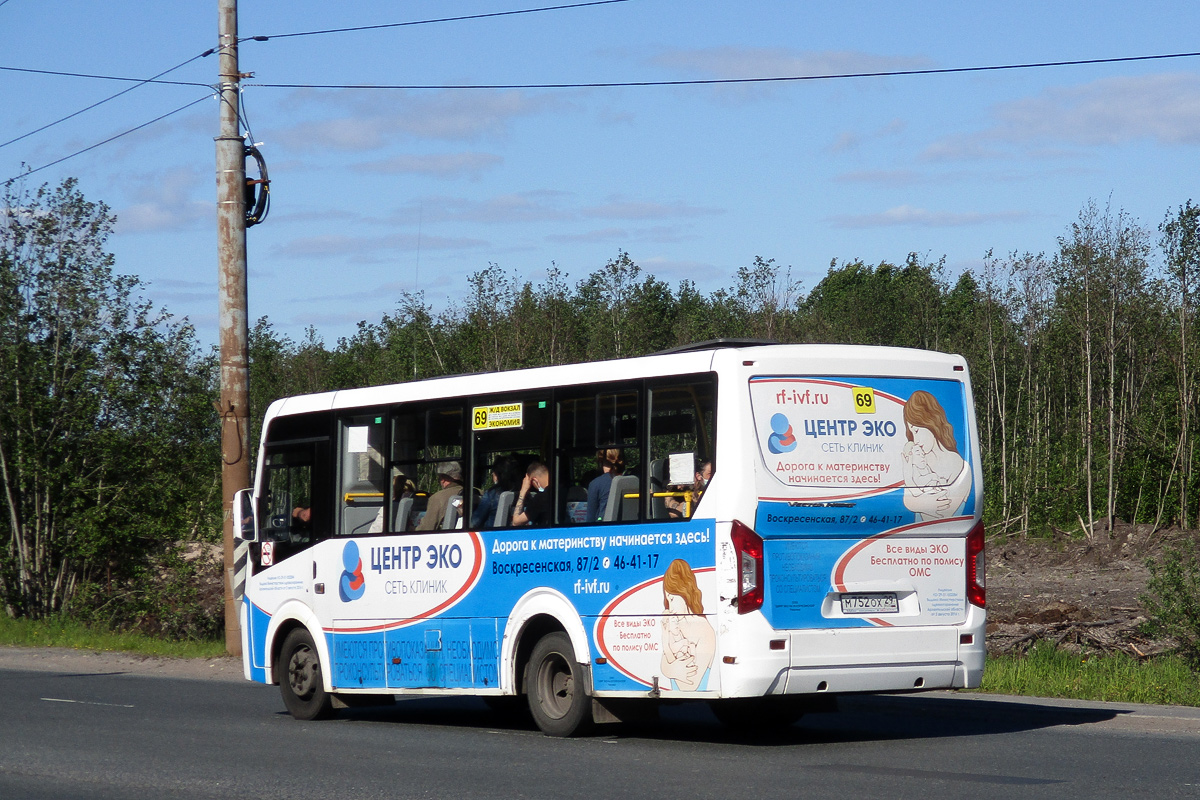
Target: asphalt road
[114, 734]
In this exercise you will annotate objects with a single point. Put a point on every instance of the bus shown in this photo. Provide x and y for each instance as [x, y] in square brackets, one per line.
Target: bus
[784, 524]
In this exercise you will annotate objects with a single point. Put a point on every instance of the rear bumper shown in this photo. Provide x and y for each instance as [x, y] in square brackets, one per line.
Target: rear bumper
[837, 661]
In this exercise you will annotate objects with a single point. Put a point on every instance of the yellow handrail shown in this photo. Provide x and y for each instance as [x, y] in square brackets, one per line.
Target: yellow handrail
[687, 499]
[353, 496]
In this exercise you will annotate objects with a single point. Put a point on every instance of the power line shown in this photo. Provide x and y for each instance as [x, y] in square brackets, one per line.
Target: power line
[431, 21]
[302, 33]
[114, 77]
[105, 100]
[111, 138]
[715, 81]
[155, 79]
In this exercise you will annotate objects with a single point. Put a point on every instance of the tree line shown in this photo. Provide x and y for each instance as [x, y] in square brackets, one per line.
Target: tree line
[1083, 363]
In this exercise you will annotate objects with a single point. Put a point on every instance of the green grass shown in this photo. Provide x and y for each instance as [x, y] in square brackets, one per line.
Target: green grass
[65, 633]
[1048, 672]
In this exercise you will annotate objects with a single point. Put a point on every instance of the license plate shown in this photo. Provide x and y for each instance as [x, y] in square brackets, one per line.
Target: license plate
[870, 603]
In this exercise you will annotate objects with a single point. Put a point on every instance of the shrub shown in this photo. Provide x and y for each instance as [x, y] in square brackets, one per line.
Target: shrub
[1173, 599]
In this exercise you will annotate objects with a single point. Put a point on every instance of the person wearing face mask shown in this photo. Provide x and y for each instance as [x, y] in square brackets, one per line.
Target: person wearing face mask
[533, 503]
[683, 507]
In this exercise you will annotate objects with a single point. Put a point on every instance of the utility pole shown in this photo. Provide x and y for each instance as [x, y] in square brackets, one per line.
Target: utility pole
[231, 255]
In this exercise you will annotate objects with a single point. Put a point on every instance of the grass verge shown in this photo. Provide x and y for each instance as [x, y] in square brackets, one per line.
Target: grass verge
[1049, 672]
[65, 633]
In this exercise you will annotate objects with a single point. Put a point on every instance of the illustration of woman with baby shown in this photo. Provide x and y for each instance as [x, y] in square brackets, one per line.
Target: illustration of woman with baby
[689, 641]
[937, 479]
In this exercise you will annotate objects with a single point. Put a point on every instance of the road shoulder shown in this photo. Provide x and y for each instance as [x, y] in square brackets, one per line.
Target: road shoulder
[64, 659]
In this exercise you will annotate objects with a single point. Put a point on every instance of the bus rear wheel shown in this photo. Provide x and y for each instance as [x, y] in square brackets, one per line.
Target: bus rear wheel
[299, 673]
[554, 681]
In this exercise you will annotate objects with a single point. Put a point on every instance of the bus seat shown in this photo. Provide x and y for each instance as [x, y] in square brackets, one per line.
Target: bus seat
[504, 506]
[450, 518]
[621, 508]
[356, 519]
[575, 505]
[401, 511]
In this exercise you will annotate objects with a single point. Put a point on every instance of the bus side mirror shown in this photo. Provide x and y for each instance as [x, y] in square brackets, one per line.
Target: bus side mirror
[246, 519]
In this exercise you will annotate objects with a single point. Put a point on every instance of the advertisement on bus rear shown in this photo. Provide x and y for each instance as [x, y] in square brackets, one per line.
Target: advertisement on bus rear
[859, 456]
[866, 488]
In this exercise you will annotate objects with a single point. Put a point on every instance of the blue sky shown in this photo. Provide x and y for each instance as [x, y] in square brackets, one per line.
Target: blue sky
[379, 192]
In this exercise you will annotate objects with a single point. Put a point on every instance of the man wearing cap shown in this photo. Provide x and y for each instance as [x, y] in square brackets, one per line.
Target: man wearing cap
[450, 477]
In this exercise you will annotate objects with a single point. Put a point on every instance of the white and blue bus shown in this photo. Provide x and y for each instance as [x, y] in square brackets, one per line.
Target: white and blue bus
[783, 524]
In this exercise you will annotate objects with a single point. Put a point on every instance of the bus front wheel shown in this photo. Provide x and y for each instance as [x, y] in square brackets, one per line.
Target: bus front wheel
[554, 680]
[299, 673]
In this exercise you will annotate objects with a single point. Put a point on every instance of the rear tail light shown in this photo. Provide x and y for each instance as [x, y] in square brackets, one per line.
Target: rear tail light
[976, 594]
[748, 547]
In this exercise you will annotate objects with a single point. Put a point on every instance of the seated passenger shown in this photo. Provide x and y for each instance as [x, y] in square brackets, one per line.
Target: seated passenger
[450, 478]
[610, 464]
[683, 507]
[402, 487]
[533, 505]
[505, 478]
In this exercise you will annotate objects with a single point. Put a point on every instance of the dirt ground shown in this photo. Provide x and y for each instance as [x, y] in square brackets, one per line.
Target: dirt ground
[1077, 593]
[90, 662]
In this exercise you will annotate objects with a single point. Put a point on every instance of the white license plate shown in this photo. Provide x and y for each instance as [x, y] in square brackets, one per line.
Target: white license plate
[870, 603]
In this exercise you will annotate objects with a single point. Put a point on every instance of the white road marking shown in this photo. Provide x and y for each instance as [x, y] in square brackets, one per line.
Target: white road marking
[85, 702]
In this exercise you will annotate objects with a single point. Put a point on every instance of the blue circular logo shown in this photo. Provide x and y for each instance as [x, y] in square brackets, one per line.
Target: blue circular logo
[352, 584]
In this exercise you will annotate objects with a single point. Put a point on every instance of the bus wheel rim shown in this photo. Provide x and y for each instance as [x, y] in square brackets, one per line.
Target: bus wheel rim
[302, 672]
[556, 686]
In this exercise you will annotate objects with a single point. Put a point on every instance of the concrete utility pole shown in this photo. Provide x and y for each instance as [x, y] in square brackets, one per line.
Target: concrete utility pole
[231, 283]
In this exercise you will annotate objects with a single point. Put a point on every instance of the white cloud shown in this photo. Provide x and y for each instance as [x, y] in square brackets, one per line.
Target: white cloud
[623, 208]
[168, 203]
[171, 290]
[881, 177]
[660, 234]
[550, 205]
[371, 120]
[1163, 108]
[699, 272]
[924, 218]
[524, 207]
[763, 62]
[600, 235]
[371, 248]
[439, 165]
[851, 140]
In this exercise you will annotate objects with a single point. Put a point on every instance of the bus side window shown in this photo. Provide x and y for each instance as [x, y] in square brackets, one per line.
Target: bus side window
[681, 437]
[288, 496]
[295, 510]
[577, 451]
[362, 475]
[425, 441]
[512, 431]
[598, 442]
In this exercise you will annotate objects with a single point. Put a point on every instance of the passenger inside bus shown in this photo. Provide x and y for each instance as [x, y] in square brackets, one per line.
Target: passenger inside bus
[402, 488]
[610, 464]
[449, 476]
[683, 505]
[533, 504]
[506, 478]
